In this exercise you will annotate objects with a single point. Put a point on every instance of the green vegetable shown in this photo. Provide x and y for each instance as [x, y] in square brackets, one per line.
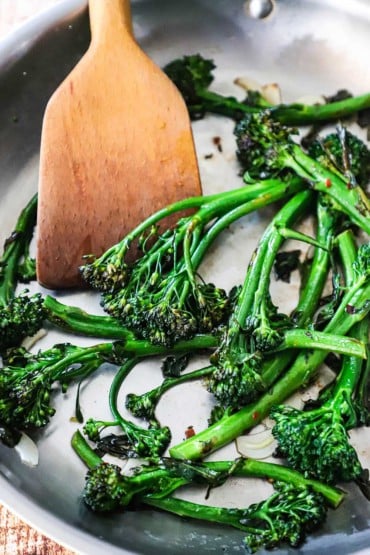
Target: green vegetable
[135, 441]
[321, 446]
[21, 315]
[160, 296]
[297, 506]
[266, 148]
[353, 308]
[343, 152]
[193, 74]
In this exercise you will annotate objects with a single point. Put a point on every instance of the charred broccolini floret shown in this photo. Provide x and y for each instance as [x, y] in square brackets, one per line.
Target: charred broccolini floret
[27, 380]
[344, 152]
[135, 441]
[266, 148]
[193, 74]
[353, 308]
[20, 315]
[161, 297]
[316, 441]
[297, 506]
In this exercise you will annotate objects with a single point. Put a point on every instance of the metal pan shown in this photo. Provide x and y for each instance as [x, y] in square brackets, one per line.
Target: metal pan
[309, 47]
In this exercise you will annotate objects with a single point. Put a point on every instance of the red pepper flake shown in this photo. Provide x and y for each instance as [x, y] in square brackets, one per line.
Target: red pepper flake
[349, 185]
[217, 143]
[350, 309]
[328, 183]
[255, 415]
[189, 432]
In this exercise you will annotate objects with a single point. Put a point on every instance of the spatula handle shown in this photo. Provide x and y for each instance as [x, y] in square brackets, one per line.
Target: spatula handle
[109, 19]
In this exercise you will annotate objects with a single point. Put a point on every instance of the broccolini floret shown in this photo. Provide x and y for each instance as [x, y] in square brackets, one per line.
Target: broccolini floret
[353, 308]
[27, 381]
[193, 74]
[134, 441]
[162, 298]
[344, 152]
[266, 148]
[21, 315]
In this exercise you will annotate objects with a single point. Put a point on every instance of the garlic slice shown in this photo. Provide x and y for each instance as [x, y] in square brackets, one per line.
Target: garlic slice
[27, 451]
[257, 444]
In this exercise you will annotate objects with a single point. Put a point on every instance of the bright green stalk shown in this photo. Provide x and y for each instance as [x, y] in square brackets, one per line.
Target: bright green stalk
[304, 367]
[347, 248]
[311, 292]
[288, 114]
[256, 283]
[75, 320]
[351, 200]
[241, 468]
[193, 257]
[15, 247]
[210, 205]
[312, 339]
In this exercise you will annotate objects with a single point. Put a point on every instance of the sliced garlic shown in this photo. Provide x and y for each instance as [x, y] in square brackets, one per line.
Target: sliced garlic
[27, 451]
[257, 444]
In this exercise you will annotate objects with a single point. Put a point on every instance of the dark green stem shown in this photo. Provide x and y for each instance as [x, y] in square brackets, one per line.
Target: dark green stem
[15, 247]
[347, 249]
[304, 367]
[220, 515]
[118, 379]
[312, 339]
[277, 192]
[240, 468]
[75, 320]
[288, 114]
[352, 201]
[84, 451]
[257, 279]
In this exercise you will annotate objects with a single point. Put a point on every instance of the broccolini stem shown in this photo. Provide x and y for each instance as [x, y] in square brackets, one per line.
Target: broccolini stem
[347, 249]
[242, 468]
[278, 472]
[312, 339]
[15, 247]
[276, 192]
[84, 451]
[349, 199]
[314, 283]
[231, 517]
[312, 290]
[117, 382]
[75, 320]
[215, 203]
[351, 368]
[288, 114]
[304, 367]
[362, 391]
[84, 354]
[302, 114]
[257, 278]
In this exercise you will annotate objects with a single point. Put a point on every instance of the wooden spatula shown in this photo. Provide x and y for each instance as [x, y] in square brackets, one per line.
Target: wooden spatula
[116, 146]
